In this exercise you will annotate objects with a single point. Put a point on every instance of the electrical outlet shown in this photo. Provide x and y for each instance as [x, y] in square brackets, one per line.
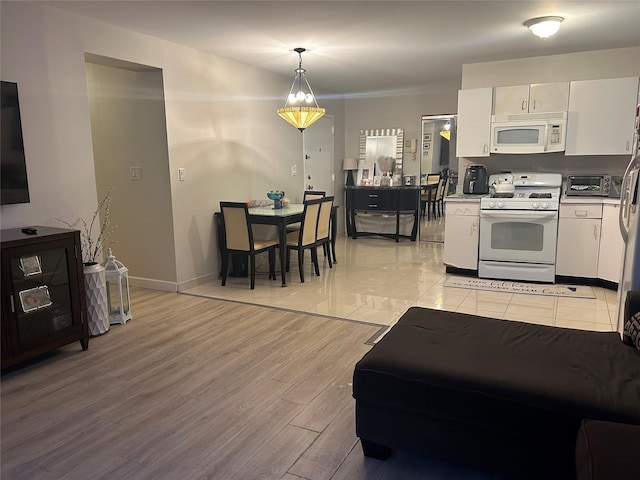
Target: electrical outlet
[135, 173]
[181, 174]
[294, 170]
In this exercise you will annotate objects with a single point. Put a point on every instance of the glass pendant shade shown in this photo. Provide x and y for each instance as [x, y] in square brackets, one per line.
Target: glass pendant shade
[301, 117]
[293, 112]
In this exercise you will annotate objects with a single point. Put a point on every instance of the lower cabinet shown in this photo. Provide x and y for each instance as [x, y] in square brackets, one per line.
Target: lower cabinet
[611, 252]
[590, 244]
[579, 229]
[43, 297]
[462, 234]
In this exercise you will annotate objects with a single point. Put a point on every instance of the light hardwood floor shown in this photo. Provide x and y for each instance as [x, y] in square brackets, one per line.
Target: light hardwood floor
[196, 388]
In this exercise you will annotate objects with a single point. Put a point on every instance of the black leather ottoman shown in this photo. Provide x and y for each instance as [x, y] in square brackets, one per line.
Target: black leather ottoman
[501, 395]
[608, 451]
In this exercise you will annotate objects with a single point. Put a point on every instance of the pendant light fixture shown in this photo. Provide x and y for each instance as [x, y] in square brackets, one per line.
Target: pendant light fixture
[301, 108]
[446, 130]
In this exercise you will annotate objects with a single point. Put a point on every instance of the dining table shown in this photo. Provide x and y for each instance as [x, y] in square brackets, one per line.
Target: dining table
[281, 217]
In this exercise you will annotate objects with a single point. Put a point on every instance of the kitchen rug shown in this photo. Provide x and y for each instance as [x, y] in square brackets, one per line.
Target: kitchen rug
[509, 286]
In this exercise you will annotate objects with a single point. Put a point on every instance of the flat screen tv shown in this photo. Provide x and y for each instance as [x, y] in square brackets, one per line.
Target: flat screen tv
[14, 187]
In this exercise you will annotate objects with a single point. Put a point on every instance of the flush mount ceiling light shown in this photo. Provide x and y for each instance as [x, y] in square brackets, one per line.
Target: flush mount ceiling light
[301, 108]
[544, 27]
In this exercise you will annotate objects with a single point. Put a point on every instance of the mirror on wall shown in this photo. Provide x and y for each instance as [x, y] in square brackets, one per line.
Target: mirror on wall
[380, 159]
[438, 162]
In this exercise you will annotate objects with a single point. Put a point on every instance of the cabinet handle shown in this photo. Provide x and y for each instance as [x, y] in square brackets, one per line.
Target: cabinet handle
[627, 145]
[373, 206]
[13, 307]
[372, 195]
[595, 231]
[580, 213]
[524, 106]
[485, 149]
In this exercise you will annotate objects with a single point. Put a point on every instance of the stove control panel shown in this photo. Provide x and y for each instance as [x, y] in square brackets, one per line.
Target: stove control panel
[540, 205]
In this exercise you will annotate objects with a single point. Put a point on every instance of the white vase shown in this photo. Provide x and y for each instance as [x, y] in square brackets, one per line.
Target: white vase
[96, 291]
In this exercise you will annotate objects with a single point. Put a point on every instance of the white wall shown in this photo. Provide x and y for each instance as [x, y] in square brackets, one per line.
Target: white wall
[615, 63]
[128, 129]
[221, 126]
[398, 110]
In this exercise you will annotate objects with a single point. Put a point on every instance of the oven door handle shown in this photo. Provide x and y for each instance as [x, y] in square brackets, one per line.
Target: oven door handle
[516, 214]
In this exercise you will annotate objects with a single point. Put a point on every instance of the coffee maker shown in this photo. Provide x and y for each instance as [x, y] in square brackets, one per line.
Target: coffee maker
[476, 180]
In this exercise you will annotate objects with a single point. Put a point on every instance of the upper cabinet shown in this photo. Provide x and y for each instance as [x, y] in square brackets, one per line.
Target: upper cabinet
[534, 98]
[601, 116]
[474, 122]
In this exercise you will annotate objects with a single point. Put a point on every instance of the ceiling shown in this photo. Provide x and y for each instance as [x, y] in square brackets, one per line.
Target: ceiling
[372, 47]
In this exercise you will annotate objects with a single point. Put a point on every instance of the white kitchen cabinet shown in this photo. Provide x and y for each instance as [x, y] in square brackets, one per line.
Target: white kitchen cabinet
[611, 245]
[601, 116]
[534, 98]
[578, 239]
[461, 234]
[474, 122]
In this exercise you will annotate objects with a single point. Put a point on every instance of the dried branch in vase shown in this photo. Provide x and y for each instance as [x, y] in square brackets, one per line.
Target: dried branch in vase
[93, 245]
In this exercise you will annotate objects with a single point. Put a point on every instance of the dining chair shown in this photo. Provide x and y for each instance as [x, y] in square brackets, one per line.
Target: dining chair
[442, 192]
[427, 197]
[433, 178]
[323, 235]
[313, 194]
[307, 195]
[238, 239]
[305, 238]
[424, 200]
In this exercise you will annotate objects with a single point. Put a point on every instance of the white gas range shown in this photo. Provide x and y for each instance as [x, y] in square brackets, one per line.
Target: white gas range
[519, 227]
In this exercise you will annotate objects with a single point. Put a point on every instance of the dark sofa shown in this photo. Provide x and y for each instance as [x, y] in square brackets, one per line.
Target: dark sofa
[504, 396]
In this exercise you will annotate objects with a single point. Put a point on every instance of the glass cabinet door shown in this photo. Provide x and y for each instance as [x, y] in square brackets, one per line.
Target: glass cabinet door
[41, 295]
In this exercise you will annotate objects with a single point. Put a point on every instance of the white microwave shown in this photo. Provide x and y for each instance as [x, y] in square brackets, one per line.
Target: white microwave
[528, 132]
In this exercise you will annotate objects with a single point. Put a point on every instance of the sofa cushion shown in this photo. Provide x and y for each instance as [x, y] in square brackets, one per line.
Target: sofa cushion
[607, 451]
[632, 318]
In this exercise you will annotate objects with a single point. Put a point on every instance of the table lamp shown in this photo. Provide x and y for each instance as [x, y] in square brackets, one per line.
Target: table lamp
[350, 164]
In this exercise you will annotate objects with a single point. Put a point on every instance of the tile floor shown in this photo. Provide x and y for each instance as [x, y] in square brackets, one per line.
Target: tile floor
[377, 279]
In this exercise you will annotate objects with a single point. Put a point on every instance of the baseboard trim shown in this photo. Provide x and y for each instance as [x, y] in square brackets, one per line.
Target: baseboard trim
[461, 271]
[194, 282]
[152, 284]
[594, 282]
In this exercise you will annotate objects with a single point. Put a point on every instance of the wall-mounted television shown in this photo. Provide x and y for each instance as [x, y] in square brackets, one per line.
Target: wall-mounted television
[14, 187]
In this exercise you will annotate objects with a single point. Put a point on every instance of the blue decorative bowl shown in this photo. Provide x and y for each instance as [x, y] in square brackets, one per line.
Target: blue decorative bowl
[276, 196]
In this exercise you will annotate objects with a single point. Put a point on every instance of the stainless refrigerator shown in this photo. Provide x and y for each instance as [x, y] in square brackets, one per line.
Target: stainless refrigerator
[630, 227]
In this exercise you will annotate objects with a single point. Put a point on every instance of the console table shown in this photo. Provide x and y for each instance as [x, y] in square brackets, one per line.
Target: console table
[394, 200]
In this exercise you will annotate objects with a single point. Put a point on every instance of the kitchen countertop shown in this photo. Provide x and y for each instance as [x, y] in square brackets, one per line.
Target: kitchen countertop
[461, 197]
[464, 196]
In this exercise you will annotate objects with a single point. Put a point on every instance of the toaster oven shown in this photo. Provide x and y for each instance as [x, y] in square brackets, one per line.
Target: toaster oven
[589, 185]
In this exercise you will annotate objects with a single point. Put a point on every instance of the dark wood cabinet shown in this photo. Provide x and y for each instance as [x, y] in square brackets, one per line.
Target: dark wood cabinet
[43, 297]
[396, 200]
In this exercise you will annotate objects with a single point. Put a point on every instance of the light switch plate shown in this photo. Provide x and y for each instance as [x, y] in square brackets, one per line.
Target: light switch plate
[182, 174]
[135, 173]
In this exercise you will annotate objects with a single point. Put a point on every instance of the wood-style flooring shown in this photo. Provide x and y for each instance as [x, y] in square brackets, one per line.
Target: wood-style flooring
[196, 388]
